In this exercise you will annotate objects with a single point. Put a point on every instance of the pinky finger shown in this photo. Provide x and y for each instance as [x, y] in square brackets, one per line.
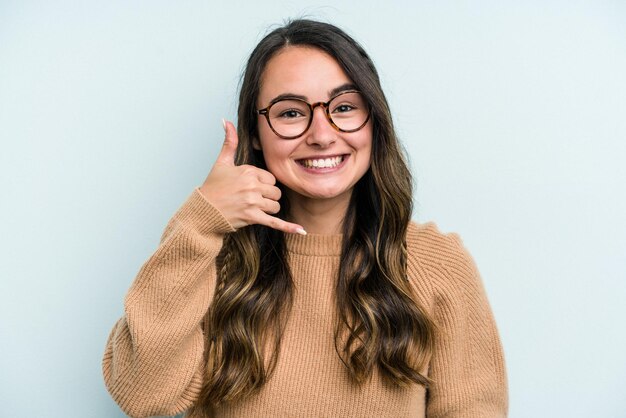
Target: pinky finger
[279, 224]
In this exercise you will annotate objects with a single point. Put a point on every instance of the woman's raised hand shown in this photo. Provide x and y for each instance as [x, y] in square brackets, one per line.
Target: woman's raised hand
[244, 194]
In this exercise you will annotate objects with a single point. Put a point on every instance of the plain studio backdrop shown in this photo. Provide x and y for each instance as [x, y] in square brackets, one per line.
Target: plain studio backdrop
[513, 115]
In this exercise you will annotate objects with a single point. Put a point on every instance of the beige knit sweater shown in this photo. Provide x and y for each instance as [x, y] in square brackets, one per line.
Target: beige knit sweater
[153, 359]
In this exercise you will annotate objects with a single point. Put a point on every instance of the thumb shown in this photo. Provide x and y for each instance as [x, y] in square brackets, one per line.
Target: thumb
[229, 148]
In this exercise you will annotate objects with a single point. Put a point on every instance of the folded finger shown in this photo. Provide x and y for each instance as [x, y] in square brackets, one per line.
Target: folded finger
[270, 206]
[266, 177]
[271, 192]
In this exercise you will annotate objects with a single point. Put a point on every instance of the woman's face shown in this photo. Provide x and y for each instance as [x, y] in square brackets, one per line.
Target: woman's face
[314, 75]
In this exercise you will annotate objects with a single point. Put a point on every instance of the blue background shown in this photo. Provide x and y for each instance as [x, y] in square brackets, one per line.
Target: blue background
[513, 114]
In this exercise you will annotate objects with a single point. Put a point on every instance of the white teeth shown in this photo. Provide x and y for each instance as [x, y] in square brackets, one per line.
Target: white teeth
[325, 163]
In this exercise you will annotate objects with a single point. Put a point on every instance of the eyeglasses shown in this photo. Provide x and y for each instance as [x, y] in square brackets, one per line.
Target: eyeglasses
[291, 117]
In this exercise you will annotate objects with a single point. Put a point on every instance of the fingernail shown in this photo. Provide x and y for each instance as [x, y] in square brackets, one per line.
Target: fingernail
[301, 231]
[224, 124]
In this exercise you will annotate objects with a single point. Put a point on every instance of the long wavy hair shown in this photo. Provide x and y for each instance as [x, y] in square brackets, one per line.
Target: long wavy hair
[379, 321]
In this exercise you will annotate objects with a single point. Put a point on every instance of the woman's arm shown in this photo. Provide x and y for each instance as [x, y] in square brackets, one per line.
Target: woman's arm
[468, 363]
[153, 361]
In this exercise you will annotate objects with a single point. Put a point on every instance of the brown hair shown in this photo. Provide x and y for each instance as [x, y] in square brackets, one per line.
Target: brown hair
[380, 324]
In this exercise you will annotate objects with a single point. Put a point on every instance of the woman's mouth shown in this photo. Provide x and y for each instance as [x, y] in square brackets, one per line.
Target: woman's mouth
[323, 164]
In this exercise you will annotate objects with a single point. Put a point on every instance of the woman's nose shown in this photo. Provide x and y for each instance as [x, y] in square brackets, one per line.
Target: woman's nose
[321, 132]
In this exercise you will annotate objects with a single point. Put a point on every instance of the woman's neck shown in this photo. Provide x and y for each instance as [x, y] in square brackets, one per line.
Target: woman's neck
[318, 216]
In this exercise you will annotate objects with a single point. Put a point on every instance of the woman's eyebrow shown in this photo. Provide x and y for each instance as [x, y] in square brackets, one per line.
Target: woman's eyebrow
[288, 96]
[343, 87]
[331, 93]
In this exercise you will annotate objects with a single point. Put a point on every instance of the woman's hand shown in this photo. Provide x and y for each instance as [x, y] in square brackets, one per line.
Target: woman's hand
[244, 194]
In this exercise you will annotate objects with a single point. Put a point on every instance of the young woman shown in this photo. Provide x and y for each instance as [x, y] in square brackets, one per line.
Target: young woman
[240, 312]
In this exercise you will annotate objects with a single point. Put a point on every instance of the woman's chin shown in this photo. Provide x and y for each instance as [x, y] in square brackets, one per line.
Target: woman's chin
[326, 194]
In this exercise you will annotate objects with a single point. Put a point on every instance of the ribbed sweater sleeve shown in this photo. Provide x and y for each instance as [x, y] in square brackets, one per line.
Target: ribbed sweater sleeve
[152, 364]
[468, 366]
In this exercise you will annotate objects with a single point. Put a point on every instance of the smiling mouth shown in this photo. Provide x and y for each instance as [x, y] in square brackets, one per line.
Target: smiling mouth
[322, 163]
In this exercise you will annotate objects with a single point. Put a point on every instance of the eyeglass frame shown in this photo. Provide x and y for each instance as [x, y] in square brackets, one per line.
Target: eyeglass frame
[266, 112]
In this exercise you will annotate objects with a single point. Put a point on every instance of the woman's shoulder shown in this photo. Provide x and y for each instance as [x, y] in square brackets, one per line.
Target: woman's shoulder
[438, 261]
[431, 243]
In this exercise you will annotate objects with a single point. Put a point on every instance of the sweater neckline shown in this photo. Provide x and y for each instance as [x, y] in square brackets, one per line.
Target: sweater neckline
[314, 244]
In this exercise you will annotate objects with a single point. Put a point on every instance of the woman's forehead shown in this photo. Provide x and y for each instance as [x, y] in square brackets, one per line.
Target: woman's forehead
[301, 70]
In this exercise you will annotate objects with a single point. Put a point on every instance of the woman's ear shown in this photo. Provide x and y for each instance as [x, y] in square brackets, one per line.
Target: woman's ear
[256, 144]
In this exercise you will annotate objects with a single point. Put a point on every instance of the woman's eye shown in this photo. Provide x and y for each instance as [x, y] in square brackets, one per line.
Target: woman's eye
[343, 108]
[291, 113]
